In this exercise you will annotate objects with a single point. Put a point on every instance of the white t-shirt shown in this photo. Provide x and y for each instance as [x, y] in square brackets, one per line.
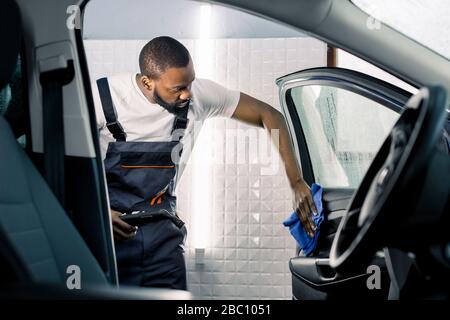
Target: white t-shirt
[146, 121]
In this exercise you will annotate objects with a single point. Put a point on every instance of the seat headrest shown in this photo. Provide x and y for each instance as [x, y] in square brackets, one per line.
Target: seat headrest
[11, 35]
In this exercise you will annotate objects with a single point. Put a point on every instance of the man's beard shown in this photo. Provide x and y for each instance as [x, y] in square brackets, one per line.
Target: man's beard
[171, 107]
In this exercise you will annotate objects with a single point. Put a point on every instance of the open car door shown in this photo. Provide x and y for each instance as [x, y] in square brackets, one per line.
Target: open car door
[338, 120]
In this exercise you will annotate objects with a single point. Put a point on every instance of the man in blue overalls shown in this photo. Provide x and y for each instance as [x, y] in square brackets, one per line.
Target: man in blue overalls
[141, 119]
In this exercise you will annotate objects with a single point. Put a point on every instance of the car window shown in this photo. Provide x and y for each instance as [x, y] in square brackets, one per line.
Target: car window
[233, 197]
[343, 132]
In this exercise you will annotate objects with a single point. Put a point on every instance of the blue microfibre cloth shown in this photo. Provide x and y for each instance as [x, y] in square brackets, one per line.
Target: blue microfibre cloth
[307, 243]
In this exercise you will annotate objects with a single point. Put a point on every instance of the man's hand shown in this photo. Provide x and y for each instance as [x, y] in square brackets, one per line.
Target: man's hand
[122, 230]
[304, 206]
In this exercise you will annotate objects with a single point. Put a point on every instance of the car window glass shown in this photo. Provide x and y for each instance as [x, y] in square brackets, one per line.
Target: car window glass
[343, 132]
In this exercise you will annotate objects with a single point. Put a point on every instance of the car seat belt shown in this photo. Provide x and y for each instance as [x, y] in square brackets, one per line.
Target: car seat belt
[52, 82]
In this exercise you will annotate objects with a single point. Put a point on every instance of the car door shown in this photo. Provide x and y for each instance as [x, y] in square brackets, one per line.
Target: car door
[338, 119]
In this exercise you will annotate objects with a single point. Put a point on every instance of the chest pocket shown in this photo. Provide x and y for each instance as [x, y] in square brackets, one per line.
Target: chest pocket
[138, 172]
[145, 173]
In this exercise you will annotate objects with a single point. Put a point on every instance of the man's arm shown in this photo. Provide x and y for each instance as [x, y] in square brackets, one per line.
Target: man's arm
[260, 114]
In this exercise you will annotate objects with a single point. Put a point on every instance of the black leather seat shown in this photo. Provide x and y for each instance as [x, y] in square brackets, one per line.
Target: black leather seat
[34, 222]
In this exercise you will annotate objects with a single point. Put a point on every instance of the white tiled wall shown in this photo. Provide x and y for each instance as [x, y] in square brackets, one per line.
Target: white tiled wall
[249, 249]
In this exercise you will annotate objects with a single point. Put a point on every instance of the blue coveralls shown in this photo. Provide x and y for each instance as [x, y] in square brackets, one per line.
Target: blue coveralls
[140, 177]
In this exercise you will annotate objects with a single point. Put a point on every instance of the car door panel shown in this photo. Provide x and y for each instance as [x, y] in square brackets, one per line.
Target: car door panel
[312, 277]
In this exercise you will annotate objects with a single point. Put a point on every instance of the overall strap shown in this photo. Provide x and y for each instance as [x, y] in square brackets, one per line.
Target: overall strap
[181, 120]
[109, 111]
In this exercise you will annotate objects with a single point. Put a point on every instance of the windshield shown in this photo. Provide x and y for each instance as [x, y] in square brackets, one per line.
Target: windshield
[425, 21]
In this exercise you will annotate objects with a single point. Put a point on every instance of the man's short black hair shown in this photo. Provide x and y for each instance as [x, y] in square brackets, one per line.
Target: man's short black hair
[162, 53]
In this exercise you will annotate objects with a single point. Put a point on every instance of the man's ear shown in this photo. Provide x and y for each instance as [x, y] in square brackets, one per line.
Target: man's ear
[147, 82]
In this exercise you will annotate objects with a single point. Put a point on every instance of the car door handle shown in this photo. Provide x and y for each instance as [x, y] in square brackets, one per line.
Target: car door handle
[324, 269]
[314, 270]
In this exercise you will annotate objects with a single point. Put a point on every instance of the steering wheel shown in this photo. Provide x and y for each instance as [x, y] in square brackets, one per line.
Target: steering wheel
[381, 203]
